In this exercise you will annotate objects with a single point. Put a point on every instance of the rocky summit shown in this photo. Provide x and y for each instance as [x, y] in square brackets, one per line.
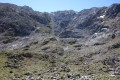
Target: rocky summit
[62, 45]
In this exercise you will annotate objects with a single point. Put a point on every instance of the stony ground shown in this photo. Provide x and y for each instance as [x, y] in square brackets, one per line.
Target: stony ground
[53, 58]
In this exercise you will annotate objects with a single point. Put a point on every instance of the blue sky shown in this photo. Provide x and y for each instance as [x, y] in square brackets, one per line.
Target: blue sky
[55, 5]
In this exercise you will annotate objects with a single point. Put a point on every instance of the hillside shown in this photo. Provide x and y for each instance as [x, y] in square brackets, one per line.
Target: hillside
[62, 45]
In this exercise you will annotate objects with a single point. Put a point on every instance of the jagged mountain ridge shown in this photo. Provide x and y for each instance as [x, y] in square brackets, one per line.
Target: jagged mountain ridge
[23, 20]
[88, 21]
[20, 21]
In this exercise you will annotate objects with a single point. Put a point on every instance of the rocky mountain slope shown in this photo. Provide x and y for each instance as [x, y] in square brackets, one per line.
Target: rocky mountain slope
[20, 21]
[62, 45]
[86, 22]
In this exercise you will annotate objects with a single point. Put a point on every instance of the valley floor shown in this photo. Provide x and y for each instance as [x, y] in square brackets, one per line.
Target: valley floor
[62, 59]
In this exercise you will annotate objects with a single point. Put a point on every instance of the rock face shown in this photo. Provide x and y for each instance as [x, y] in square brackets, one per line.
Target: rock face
[20, 21]
[86, 22]
[113, 11]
